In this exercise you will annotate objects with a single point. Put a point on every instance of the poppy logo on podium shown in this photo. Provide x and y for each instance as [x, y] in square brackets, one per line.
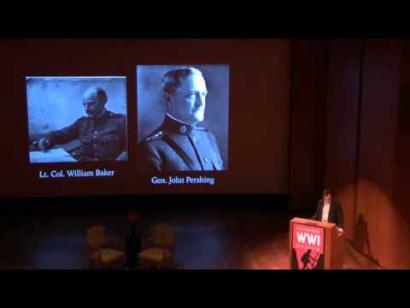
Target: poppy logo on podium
[307, 247]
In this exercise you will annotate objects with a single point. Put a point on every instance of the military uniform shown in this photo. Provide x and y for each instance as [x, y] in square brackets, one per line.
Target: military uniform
[95, 139]
[176, 146]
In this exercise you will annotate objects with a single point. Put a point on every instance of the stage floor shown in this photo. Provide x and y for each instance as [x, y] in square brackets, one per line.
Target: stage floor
[205, 239]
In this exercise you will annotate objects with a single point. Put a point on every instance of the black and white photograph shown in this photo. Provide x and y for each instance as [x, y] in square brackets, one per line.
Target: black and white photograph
[77, 119]
[183, 117]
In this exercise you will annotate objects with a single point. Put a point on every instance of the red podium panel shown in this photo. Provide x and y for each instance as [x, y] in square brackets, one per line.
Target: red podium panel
[314, 245]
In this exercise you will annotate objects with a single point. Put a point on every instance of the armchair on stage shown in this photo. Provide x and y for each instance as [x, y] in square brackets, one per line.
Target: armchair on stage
[314, 245]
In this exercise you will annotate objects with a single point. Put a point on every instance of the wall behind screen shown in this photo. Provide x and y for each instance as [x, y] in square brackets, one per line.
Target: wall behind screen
[258, 108]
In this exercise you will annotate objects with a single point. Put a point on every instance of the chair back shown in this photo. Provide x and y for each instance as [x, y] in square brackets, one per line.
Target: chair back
[163, 236]
[96, 237]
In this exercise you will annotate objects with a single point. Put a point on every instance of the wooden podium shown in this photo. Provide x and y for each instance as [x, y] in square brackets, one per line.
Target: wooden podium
[314, 245]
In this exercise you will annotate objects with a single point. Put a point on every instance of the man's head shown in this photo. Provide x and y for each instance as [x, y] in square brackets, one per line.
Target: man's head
[94, 99]
[327, 195]
[185, 94]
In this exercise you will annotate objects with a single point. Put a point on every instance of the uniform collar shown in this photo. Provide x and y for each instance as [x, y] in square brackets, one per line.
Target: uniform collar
[178, 126]
[103, 114]
[102, 117]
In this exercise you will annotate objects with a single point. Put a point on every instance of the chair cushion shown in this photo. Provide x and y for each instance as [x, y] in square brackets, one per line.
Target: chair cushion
[108, 256]
[155, 255]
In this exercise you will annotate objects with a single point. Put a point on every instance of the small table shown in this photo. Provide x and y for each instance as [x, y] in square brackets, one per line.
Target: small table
[132, 248]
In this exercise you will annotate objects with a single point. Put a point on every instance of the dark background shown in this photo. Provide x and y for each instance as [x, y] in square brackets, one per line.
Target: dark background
[346, 127]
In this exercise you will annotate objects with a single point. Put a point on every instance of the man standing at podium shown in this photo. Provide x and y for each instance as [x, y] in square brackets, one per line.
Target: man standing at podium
[329, 211]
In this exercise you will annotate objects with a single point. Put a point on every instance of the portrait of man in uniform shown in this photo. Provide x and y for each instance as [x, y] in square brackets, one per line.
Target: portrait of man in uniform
[77, 119]
[183, 117]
